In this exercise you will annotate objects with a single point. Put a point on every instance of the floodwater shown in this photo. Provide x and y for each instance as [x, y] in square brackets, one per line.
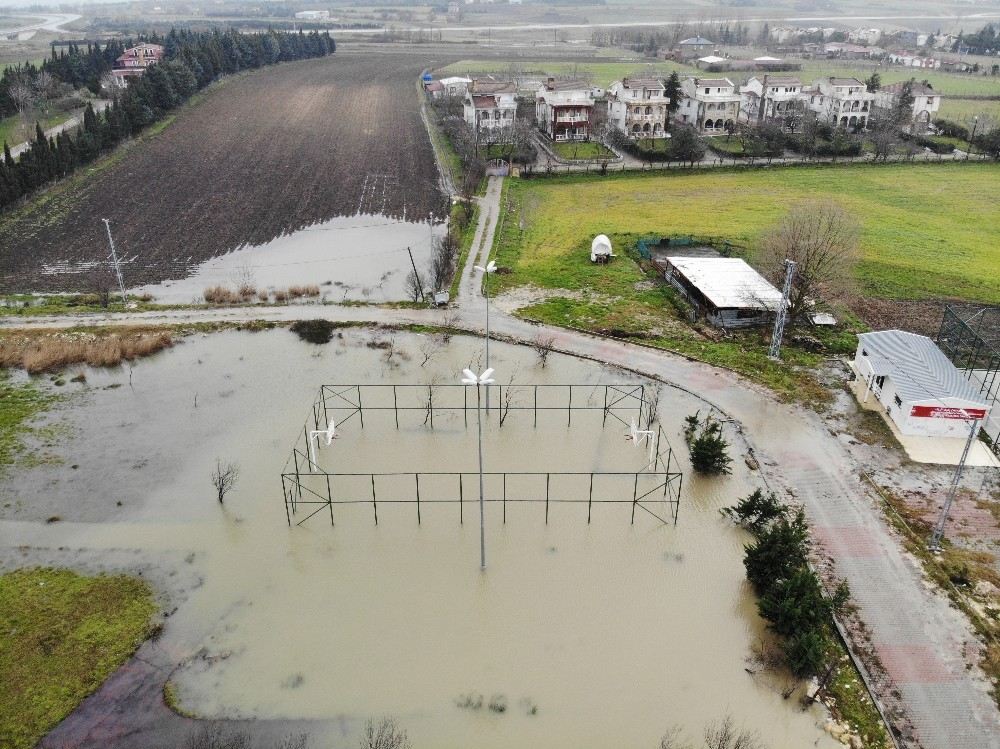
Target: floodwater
[599, 635]
[351, 258]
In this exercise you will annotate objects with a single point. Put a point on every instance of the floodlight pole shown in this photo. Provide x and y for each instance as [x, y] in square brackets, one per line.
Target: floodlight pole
[935, 543]
[779, 320]
[114, 260]
[482, 501]
[486, 288]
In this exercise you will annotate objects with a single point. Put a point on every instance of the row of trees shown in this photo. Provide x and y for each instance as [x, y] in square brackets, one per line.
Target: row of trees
[192, 61]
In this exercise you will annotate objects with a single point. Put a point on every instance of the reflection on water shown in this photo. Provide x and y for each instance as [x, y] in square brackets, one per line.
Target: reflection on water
[354, 258]
[598, 635]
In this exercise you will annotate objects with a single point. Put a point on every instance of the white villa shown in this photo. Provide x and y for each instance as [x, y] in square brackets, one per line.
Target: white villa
[638, 107]
[712, 105]
[563, 109]
[776, 95]
[455, 85]
[844, 102]
[926, 101]
[490, 105]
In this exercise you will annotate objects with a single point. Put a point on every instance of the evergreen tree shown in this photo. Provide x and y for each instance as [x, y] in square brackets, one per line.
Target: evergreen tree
[673, 92]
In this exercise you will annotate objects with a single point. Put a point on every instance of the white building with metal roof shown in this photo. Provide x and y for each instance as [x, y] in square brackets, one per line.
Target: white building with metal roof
[727, 291]
[923, 393]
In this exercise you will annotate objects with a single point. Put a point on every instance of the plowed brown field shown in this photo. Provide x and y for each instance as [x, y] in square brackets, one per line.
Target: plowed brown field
[263, 155]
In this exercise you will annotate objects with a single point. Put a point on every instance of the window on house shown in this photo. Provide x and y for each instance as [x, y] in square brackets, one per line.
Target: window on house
[898, 400]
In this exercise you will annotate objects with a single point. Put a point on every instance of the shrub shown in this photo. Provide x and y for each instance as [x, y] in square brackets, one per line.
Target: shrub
[708, 448]
[314, 331]
[756, 511]
[220, 295]
[780, 550]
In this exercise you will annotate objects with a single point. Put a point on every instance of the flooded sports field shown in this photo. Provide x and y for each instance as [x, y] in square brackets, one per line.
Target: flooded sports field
[577, 634]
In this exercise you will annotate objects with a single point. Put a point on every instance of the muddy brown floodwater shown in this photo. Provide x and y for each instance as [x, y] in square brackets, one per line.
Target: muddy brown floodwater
[599, 635]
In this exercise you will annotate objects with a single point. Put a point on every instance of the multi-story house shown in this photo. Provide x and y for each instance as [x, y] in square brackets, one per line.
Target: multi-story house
[696, 46]
[490, 106]
[771, 97]
[926, 102]
[711, 105]
[843, 102]
[563, 109]
[638, 107]
[133, 62]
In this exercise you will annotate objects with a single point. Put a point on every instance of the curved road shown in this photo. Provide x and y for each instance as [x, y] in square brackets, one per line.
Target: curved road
[920, 639]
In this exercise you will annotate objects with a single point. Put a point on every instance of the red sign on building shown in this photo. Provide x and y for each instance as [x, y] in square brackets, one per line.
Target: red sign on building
[948, 412]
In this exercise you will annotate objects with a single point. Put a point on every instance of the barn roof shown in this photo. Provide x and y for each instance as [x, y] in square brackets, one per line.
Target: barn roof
[917, 367]
[728, 282]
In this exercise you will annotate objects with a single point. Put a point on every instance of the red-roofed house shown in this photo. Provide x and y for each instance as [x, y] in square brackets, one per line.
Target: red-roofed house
[134, 61]
[490, 105]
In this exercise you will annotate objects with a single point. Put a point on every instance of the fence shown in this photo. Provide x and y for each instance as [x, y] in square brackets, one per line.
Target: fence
[970, 337]
[309, 490]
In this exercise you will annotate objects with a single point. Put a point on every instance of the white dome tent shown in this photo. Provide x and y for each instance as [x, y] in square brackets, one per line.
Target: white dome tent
[600, 249]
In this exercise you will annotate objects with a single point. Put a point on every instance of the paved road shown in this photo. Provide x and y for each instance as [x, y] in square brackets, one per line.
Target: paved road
[919, 637]
[46, 22]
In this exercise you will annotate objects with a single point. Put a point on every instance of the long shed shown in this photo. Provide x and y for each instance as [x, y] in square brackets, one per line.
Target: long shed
[726, 290]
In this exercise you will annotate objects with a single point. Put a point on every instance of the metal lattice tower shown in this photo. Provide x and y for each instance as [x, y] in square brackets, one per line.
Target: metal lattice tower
[114, 260]
[781, 318]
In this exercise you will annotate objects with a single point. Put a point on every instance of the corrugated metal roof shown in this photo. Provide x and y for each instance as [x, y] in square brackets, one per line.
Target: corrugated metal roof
[917, 367]
[728, 282]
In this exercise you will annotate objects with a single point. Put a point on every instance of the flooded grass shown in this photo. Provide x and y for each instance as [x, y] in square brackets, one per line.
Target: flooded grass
[20, 403]
[62, 635]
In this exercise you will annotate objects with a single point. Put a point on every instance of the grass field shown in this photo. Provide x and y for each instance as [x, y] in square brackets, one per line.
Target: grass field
[929, 231]
[963, 110]
[19, 404]
[582, 150]
[600, 73]
[61, 636]
[13, 132]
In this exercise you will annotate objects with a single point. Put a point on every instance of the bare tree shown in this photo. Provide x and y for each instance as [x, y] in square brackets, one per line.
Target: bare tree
[217, 736]
[448, 322]
[822, 239]
[385, 734]
[413, 289]
[430, 348]
[224, 478]
[44, 83]
[672, 739]
[723, 734]
[22, 93]
[444, 256]
[543, 347]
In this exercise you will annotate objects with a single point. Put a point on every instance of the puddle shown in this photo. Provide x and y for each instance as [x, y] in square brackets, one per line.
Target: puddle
[351, 258]
[598, 635]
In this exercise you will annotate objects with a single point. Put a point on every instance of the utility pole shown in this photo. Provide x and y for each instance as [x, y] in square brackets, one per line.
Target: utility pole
[779, 320]
[763, 101]
[935, 544]
[420, 285]
[114, 261]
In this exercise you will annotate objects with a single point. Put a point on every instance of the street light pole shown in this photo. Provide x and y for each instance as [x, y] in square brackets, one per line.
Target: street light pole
[471, 378]
[486, 270]
[972, 136]
[935, 544]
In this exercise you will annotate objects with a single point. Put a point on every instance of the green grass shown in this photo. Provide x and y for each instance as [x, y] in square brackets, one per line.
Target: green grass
[963, 110]
[61, 635]
[928, 230]
[581, 150]
[728, 146]
[20, 403]
[13, 134]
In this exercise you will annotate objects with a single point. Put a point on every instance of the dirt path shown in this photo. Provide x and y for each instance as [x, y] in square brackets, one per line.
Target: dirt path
[925, 645]
[99, 106]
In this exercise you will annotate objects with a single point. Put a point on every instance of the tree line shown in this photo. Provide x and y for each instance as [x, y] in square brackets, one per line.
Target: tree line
[192, 60]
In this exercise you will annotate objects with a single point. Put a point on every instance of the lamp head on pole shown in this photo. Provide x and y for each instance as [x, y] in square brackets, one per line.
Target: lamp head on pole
[491, 267]
[471, 378]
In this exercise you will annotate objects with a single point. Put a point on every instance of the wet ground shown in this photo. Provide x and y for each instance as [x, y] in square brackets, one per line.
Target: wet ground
[352, 258]
[590, 635]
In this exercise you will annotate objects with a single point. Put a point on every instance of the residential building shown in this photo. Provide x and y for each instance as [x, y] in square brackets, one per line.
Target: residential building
[455, 85]
[725, 290]
[911, 60]
[490, 105]
[563, 109]
[865, 36]
[770, 97]
[638, 107]
[926, 101]
[921, 391]
[848, 51]
[133, 62]
[696, 46]
[843, 102]
[711, 105]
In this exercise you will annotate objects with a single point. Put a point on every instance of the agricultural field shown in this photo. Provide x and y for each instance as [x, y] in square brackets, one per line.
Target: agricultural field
[599, 73]
[259, 156]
